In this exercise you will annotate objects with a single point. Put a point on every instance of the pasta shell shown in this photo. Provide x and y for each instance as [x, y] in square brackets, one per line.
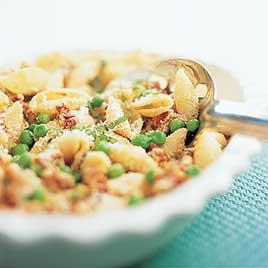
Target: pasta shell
[13, 121]
[163, 185]
[136, 126]
[119, 138]
[114, 112]
[208, 146]
[27, 81]
[119, 64]
[97, 160]
[133, 158]
[55, 80]
[74, 145]
[128, 184]
[46, 101]
[175, 142]
[157, 81]
[186, 100]
[99, 202]
[4, 101]
[53, 61]
[83, 117]
[153, 105]
[3, 138]
[82, 74]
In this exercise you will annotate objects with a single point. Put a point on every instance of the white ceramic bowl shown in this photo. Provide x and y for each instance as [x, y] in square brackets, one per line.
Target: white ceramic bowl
[121, 237]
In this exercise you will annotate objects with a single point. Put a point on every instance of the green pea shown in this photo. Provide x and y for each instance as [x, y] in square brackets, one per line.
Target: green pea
[192, 170]
[32, 127]
[20, 149]
[96, 101]
[43, 118]
[116, 170]
[149, 176]
[71, 172]
[135, 200]
[77, 176]
[159, 137]
[15, 159]
[40, 131]
[37, 169]
[38, 195]
[102, 146]
[27, 137]
[142, 140]
[176, 124]
[25, 160]
[192, 125]
[66, 169]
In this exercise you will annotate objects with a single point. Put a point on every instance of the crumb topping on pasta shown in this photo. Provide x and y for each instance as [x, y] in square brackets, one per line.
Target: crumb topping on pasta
[75, 139]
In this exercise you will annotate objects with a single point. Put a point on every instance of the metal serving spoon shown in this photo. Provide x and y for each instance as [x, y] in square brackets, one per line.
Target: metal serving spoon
[227, 116]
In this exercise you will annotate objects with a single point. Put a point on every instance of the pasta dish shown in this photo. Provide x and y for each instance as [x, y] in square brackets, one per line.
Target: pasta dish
[75, 139]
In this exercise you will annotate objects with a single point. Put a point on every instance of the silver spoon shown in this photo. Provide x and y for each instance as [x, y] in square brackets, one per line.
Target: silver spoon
[226, 116]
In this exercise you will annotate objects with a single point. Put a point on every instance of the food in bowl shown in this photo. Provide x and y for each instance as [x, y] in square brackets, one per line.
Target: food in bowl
[75, 139]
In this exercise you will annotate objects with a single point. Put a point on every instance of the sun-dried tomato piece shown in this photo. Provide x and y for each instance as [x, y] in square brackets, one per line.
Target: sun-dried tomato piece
[66, 118]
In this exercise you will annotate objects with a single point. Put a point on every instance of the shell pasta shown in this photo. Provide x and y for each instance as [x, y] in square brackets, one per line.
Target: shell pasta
[75, 139]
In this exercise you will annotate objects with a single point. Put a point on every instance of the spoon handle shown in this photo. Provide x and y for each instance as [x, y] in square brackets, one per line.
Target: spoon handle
[234, 117]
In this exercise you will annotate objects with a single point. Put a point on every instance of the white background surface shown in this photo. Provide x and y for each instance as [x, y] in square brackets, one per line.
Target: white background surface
[232, 34]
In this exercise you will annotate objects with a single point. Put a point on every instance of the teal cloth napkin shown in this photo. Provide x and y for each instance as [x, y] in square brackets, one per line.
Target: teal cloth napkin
[232, 231]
